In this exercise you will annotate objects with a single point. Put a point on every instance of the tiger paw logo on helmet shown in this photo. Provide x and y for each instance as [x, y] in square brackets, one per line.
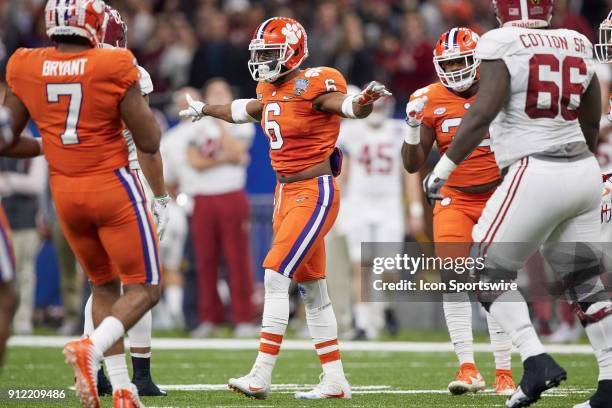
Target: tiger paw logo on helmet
[292, 32]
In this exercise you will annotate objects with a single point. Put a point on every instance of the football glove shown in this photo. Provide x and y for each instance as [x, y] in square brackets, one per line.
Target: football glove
[414, 111]
[432, 184]
[194, 111]
[159, 208]
[373, 92]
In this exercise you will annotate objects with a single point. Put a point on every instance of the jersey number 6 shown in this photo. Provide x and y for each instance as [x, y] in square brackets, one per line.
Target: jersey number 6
[271, 127]
[75, 93]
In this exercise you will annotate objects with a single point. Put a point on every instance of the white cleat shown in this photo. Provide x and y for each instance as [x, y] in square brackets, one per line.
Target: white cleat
[330, 386]
[255, 384]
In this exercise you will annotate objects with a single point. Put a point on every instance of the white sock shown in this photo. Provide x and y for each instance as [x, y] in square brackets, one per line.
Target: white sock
[117, 370]
[88, 327]
[458, 315]
[361, 315]
[510, 311]
[275, 318]
[501, 343]
[173, 296]
[140, 333]
[107, 333]
[600, 336]
[322, 325]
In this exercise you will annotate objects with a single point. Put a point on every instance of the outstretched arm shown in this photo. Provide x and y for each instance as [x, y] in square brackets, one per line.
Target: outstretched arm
[239, 111]
[352, 106]
[24, 148]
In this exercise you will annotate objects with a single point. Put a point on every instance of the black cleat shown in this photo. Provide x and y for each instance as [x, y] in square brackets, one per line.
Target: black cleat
[602, 397]
[105, 388]
[541, 373]
[147, 388]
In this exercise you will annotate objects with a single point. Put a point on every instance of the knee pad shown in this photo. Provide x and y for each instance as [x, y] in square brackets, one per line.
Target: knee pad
[276, 284]
[314, 293]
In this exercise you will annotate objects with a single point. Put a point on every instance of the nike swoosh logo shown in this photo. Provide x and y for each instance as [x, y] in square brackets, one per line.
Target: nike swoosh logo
[341, 395]
[255, 389]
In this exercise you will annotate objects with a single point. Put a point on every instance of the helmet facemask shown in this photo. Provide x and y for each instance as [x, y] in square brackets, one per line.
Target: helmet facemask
[268, 60]
[461, 79]
[603, 49]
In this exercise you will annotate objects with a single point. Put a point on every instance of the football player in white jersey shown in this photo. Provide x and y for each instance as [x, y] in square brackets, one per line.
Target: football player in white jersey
[539, 91]
[373, 211]
[115, 35]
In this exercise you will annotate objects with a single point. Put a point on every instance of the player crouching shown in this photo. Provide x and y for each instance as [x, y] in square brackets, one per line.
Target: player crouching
[300, 112]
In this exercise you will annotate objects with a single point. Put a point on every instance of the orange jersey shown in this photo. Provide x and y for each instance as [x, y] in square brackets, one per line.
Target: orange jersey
[443, 114]
[300, 136]
[73, 98]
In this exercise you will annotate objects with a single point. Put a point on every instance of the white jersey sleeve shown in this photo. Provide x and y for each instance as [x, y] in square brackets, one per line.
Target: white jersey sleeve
[146, 84]
[549, 72]
[146, 88]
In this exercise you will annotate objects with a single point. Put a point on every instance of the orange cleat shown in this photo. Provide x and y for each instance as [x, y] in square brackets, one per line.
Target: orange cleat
[467, 379]
[504, 385]
[127, 398]
[85, 361]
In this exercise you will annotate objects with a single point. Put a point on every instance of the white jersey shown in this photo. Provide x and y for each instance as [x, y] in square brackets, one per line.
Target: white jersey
[374, 159]
[146, 88]
[549, 70]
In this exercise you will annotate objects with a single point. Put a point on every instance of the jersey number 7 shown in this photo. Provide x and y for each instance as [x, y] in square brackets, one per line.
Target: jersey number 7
[75, 93]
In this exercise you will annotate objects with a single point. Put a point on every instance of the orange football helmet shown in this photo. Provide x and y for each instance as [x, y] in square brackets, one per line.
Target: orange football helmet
[279, 46]
[603, 48]
[82, 18]
[457, 47]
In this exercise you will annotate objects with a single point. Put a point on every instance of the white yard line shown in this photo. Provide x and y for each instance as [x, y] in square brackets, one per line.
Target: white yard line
[241, 344]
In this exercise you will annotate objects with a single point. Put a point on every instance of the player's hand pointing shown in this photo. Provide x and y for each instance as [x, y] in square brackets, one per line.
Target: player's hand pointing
[373, 92]
[194, 112]
[414, 111]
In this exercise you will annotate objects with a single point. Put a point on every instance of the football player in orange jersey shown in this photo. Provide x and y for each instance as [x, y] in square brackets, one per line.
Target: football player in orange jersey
[149, 171]
[433, 115]
[79, 96]
[300, 111]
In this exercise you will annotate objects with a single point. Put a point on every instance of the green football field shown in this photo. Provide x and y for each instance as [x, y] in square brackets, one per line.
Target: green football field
[197, 378]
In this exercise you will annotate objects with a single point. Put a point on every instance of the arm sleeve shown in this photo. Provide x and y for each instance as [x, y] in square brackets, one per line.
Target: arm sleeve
[31, 183]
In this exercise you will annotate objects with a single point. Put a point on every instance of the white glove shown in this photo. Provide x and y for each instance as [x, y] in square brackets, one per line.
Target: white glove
[373, 92]
[414, 111]
[159, 208]
[194, 112]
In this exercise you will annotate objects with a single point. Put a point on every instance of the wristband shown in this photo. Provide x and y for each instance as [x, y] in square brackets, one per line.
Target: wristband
[239, 111]
[347, 107]
[444, 167]
[413, 135]
[416, 209]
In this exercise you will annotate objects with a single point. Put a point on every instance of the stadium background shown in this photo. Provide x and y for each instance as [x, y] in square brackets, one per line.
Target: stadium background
[188, 42]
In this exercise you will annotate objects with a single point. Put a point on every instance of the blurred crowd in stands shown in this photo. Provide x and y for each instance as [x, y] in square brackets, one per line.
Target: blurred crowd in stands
[184, 44]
